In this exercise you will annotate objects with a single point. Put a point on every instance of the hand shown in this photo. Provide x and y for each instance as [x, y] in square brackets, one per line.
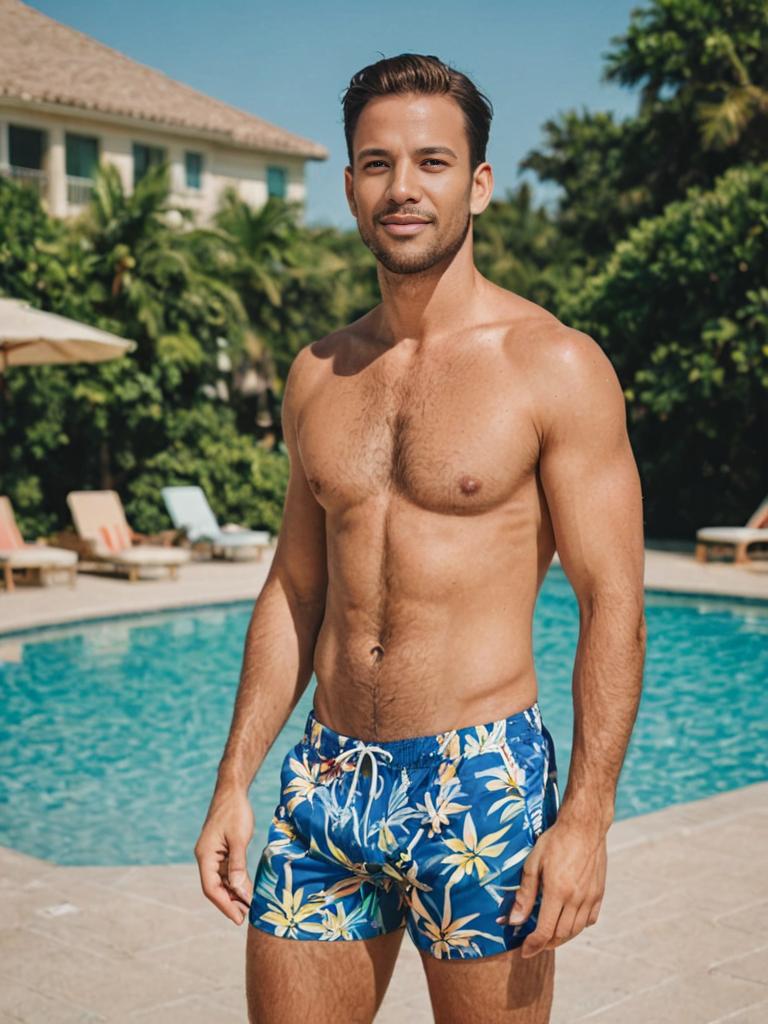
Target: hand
[220, 853]
[570, 861]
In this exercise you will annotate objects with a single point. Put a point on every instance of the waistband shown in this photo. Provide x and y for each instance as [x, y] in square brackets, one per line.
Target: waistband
[453, 743]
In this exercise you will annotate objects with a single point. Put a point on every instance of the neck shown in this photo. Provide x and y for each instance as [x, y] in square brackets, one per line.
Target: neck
[427, 305]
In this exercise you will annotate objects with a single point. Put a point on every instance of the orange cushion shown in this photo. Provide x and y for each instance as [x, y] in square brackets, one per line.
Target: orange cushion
[116, 537]
[10, 537]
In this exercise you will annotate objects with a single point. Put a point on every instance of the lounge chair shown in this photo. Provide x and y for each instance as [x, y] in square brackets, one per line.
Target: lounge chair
[100, 521]
[39, 558]
[189, 510]
[735, 538]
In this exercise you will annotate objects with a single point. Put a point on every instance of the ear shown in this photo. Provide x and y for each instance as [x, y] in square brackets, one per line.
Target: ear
[482, 188]
[349, 189]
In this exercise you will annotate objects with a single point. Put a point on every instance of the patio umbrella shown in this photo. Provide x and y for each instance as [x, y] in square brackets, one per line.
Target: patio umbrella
[30, 336]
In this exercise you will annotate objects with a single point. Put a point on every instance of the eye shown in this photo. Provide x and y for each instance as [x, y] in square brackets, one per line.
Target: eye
[435, 161]
[372, 163]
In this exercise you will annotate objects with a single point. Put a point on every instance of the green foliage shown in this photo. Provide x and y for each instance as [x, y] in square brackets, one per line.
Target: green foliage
[252, 289]
[243, 482]
[682, 310]
[702, 68]
[521, 247]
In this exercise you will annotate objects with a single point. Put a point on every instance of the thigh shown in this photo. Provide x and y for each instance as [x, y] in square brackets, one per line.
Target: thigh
[289, 981]
[492, 989]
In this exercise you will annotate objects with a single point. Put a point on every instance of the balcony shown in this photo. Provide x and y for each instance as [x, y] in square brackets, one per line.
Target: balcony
[34, 177]
[79, 190]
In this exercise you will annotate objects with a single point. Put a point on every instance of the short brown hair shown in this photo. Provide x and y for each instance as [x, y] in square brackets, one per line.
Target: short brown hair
[415, 72]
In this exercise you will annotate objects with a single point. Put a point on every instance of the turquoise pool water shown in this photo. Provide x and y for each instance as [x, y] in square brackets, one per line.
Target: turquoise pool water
[112, 730]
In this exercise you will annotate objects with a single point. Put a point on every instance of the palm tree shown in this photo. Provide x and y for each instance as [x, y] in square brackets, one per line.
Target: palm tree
[725, 120]
[146, 266]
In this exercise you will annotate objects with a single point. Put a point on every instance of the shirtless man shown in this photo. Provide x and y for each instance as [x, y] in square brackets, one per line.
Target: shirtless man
[441, 448]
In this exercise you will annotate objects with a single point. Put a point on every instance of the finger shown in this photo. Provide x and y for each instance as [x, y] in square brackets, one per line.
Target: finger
[526, 894]
[215, 889]
[594, 913]
[549, 914]
[565, 924]
[237, 873]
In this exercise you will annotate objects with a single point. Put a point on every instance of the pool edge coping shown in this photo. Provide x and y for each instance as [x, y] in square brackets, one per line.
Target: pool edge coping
[202, 604]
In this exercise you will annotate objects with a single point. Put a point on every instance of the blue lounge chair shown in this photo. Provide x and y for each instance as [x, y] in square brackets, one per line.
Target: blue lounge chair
[189, 510]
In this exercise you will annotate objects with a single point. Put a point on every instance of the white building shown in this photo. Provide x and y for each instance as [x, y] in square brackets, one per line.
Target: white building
[67, 102]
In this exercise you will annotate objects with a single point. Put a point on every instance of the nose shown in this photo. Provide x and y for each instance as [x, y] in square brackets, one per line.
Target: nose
[403, 184]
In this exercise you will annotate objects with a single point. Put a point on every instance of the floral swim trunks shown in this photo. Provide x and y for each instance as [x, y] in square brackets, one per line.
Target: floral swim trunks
[429, 833]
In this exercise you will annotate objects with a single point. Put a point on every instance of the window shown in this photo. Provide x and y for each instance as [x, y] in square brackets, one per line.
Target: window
[82, 156]
[276, 182]
[193, 169]
[25, 147]
[145, 157]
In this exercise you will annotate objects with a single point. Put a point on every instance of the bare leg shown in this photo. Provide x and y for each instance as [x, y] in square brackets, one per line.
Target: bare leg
[289, 980]
[493, 989]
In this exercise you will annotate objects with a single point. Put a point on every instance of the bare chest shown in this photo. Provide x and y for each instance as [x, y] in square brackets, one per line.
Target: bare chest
[455, 440]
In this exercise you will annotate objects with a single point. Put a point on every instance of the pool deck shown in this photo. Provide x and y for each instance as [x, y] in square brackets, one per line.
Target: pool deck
[681, 936]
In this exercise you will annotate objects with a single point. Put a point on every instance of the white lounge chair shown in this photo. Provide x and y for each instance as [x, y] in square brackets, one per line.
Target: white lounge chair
[40, 558]
[100, 521]
[189, 510]
[737, 539]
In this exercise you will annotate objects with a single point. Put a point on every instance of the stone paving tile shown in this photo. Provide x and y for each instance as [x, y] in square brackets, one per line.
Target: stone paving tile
[588, 977]
[749, 917]
[681, 942]
[22, 1005]
[230, 998]
[194, 1010]
[755, 1014]
[698, 997]
[175, 885]
[213, 954]
[751, 966]
[99, 919]
[105, 985]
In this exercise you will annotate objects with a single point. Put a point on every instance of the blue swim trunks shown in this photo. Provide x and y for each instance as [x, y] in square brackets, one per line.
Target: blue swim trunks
[429, 833]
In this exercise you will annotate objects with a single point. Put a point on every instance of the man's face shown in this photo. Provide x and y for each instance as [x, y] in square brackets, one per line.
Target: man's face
[411, 187]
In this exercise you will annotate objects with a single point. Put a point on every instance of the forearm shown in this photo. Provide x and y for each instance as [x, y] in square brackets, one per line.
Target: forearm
[277, 666]
[607, 686]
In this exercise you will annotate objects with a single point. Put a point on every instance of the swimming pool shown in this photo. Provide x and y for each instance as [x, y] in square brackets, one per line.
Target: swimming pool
[112, 730]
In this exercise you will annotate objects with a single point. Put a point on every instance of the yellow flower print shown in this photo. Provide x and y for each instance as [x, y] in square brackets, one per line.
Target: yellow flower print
[304, 782]
[445, 934]
[484, 740]
[508, 779]
[469, 851]
[337, 923]
[449, 744]
[289, 913]
[437, 813]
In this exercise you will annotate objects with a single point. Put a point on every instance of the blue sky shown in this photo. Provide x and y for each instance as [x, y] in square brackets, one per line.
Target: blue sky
[289, 61]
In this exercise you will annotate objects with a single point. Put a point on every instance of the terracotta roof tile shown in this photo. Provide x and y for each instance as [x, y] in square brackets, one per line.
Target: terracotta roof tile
[45, 61]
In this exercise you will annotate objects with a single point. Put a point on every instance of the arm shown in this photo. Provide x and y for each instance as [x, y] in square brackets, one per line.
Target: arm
[276, 668]
[593, 492]
[592, 489]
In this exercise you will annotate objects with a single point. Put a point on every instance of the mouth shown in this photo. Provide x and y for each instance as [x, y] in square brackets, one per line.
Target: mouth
[403, 224]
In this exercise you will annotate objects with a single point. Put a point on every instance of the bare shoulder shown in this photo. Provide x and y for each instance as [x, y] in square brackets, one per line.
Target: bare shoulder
[572, 378]
[339, 352]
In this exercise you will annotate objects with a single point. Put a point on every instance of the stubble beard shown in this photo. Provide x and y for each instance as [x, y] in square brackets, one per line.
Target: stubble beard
[399, 261]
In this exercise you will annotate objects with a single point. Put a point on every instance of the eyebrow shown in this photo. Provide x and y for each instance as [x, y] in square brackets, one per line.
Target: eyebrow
[423, 151]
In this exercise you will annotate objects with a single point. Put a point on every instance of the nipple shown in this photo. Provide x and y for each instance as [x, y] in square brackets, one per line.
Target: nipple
[469, 485]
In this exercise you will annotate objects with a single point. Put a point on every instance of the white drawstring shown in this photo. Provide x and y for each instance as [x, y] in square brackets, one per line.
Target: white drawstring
[362, 749]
